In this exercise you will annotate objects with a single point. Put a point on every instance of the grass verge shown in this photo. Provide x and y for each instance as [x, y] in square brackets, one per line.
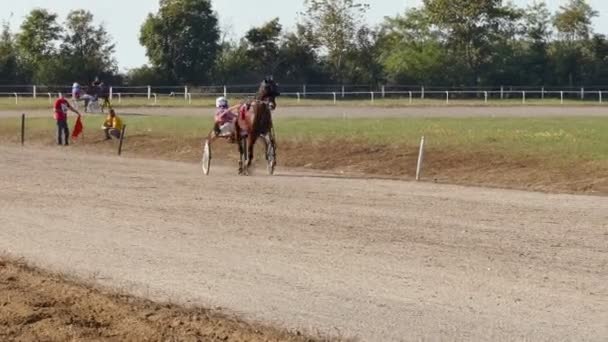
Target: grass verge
[39, 306]
[544, 154]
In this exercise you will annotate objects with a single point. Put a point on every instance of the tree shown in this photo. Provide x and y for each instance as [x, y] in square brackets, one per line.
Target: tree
[573, 24]
[573, 21]
[473, 29]
[537, 24]
[362, 65]
[87, 49]
[145, 75]
[300, 62]
[37, 41]
[335, 24]
[233, 64]
[263, 47]
[9, 64]
[182, 39]
[411, 50]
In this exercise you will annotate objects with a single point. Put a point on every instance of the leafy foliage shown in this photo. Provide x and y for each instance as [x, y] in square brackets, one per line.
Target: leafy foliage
[182, 39]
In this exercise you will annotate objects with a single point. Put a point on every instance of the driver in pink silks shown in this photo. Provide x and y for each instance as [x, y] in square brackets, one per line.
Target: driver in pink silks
[225, 120]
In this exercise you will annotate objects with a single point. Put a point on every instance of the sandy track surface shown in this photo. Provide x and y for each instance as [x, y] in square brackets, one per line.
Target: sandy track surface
[376, 259]
[367, 112]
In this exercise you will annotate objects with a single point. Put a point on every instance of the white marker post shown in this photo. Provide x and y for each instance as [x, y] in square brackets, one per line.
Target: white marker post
[335, 98]
[420, 160]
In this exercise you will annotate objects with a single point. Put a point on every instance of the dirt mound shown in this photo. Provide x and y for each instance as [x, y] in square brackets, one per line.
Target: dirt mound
[38, 306]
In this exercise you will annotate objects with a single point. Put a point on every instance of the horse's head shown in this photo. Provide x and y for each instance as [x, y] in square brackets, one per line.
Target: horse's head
[269, 91]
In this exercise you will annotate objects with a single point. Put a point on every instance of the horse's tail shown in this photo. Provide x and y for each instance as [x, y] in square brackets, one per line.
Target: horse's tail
[262, 123]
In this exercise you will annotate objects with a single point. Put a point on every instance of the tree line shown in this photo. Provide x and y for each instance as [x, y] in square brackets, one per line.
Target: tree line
[442, 43]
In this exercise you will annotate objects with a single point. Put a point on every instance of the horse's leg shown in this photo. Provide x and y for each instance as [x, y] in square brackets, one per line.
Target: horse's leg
[239, 142]
[252, 139]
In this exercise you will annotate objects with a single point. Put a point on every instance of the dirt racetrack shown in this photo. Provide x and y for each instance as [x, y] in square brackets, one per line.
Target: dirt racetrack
[330, 111]
[376, 259]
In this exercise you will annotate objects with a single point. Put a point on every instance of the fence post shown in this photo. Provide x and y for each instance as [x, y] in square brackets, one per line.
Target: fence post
[185, 93]
[50, 98]
[22, 129]
[523, 97]
[34, 91]
[582, 93]
[149, 92]
[561, 95]
[111, 93]
[225, 91]
[155, 98]
[447, 97]
[335, 100]
[298, 95]
[411, 97]
[119, 98]
[304, 90]
[122, 136]
[343, 92]
[502, 92]
[542, 93]
[383, 91]
[600, 96]
[16, 98]
[422, 93]
[420, 160]
[189, 98]
[372, 93]
[485, 95]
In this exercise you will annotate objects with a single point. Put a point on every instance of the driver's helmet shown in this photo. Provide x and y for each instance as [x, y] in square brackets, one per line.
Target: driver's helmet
[75, 85]
[221, 102]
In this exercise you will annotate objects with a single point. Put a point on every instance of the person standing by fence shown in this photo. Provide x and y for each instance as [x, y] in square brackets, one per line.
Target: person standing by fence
[61, 116]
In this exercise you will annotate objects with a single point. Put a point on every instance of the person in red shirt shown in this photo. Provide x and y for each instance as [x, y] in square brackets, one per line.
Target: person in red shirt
[61, 116]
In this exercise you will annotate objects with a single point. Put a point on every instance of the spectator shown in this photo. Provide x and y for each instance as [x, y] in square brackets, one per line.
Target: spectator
[112, 127]
[61, 116]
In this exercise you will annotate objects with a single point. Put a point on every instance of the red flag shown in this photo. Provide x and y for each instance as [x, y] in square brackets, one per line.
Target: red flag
[78, 127]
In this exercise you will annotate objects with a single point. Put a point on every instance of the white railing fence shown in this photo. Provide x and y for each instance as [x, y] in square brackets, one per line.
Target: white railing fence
[332, 94]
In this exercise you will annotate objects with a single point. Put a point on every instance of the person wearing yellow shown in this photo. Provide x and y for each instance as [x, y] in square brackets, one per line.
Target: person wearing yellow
[112, 127]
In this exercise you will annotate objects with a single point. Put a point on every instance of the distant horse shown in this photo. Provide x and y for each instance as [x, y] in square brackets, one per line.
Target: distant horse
[255, 118]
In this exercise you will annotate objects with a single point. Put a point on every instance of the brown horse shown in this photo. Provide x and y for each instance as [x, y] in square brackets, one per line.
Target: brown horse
[256, 121]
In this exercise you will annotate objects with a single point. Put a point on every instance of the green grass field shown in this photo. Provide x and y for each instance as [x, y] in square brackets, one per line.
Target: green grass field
[8, 102]
[566, 138]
